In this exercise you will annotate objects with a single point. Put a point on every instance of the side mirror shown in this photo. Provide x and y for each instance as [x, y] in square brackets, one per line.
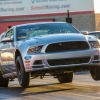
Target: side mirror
[7, 39]
[84, 32]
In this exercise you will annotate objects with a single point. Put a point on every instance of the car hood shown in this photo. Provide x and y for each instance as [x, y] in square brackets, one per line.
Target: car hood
[46, 39]
[91, 38]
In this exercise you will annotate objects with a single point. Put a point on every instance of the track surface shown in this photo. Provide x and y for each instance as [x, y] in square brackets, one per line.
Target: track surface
[83, 87]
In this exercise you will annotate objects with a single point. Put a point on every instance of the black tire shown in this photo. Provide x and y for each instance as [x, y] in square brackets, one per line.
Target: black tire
[23, 77]
[3, 81]
[95, 73]
[65, 78]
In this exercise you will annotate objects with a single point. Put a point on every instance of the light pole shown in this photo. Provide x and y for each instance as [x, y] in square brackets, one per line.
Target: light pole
[68, 19]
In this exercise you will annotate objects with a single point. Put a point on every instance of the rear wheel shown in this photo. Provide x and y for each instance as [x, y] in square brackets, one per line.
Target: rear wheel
[95, 73]
[3, 81]
[65, 77]
[23, 77]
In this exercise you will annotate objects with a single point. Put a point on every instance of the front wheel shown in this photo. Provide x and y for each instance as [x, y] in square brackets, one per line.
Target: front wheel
[3, 81]
[23, 77]
[95, 73]
[65, 77]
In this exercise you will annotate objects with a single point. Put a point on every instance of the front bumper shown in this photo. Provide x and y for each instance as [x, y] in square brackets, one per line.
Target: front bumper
[31, 65]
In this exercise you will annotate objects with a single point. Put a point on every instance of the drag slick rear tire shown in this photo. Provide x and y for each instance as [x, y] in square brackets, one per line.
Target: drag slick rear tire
[95, 73]
[65, 77]
[3, 81]
[23, 77]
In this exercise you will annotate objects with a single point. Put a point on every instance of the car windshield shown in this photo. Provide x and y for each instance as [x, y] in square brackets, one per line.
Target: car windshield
[97, 34]
[33, 30]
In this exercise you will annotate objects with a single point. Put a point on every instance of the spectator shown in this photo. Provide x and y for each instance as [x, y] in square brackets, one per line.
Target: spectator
[9, 27]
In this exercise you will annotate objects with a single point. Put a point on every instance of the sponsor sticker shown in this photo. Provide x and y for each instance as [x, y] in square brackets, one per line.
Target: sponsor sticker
[28, 66]
[27, 57]
[27, 61]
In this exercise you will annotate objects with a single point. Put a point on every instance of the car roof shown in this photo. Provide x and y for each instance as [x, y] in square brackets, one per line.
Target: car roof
[36, 23]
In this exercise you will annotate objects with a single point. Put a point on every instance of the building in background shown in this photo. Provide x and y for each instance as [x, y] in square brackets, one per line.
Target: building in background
[85, 13]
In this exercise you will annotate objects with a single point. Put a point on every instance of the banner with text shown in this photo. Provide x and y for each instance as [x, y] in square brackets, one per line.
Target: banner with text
[33, 7]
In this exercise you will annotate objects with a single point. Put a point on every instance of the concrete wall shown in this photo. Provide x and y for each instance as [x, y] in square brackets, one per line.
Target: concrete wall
[80, 21]
[97, 22]
[84, 22]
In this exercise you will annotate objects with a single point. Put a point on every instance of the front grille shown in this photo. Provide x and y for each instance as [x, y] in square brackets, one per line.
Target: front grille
[67, 46]
[68, 61]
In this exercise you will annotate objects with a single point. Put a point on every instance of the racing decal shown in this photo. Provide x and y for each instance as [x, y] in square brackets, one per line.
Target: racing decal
[27, 61]
[27, 57]
[28, 66]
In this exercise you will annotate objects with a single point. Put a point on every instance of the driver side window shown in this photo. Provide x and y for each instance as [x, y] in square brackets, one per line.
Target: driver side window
[10, 33]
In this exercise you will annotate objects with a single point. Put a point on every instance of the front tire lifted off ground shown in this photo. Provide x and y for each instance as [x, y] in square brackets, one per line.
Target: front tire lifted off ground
[95, 73]
[23, 77]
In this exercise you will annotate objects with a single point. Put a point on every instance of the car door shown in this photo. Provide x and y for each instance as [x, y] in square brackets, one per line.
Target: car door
[1, 44]
[7, 53]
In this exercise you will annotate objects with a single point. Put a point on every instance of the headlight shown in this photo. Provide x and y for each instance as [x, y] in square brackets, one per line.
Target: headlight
[94, 44]
[35, 49]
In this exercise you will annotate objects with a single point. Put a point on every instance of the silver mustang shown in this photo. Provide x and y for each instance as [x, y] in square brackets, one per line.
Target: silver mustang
[47, 48]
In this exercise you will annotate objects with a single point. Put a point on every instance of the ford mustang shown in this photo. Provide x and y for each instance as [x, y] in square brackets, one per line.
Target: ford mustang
[58, 49]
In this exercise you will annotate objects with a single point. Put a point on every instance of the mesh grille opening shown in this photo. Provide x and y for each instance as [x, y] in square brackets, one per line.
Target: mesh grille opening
[68, 61]
[67, 46]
